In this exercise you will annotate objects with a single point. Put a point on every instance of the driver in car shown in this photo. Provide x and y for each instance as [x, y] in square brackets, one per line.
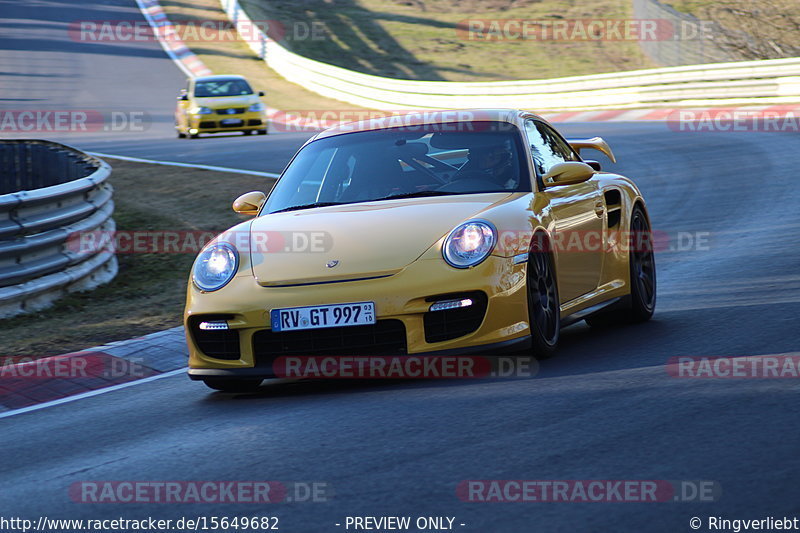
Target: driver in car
[494, 163]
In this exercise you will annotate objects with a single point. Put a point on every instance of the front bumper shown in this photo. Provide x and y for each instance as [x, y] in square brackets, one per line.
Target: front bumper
[517, 344]
[404, 297]
[216, 123]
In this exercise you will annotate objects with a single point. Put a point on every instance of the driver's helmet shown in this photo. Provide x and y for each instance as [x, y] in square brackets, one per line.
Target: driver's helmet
[495, 160]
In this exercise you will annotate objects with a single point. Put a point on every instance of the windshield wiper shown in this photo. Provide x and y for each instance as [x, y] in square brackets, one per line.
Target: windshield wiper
[418, 194]
[307, 206]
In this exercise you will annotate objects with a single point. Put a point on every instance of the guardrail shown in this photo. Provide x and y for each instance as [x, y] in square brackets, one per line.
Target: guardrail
[774, 81]
[49, 192]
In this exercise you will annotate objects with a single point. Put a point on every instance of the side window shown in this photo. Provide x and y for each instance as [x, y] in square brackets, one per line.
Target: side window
[547, 147]
[559, 145]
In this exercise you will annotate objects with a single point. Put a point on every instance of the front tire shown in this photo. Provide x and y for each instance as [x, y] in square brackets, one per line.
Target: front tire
[544, 311]
[232, 385]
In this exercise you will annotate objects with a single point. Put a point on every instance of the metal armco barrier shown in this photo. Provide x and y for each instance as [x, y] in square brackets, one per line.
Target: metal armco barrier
[49, 192]
[768, 82]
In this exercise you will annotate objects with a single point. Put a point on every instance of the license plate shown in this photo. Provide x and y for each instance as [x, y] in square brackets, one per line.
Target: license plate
[323, 316]
[231, 122]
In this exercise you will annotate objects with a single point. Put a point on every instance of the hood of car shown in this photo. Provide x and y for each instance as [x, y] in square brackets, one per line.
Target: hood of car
[226, 101]
[355, 241]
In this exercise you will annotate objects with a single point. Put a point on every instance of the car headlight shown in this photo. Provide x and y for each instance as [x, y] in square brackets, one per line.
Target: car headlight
[202, 110]
[469, 244]
[256, 107]
[215, 266]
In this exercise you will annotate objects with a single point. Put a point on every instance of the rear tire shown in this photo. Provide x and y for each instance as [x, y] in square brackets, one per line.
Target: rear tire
[262, 132]
[544, 311]
[232, 385]
[642, 268]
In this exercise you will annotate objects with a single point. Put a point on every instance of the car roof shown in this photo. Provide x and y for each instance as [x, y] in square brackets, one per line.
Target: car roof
[424, 117]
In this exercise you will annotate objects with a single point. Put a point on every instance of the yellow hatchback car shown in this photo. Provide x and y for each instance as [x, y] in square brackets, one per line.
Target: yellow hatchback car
[436, 233]
[218, 104]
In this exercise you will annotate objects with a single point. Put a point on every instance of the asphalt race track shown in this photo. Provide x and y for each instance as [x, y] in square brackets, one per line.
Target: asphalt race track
[44, 66]
[604, 408]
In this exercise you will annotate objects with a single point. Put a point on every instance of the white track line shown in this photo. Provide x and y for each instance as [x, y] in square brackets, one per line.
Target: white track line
[97, 392]
[187, 165]
[89, 394]
[113, 388]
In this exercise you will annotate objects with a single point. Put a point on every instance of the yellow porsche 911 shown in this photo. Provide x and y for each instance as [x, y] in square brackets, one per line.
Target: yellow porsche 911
[218, 104]
[425, 234]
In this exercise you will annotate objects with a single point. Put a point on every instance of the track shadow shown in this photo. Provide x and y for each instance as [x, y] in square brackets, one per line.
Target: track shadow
[584, 350]
[370, 49]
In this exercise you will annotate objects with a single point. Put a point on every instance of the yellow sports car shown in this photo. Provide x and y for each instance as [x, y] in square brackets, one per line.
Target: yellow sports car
[217, 104]
[423, 234]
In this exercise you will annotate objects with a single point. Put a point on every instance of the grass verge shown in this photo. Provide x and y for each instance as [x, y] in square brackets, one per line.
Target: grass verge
[417, 39]
[148, 294]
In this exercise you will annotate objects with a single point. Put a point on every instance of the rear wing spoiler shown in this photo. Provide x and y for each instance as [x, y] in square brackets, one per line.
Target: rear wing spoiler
[595, 143]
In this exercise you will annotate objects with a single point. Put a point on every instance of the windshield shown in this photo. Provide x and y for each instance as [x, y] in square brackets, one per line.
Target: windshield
[231, 87]
[432, 160]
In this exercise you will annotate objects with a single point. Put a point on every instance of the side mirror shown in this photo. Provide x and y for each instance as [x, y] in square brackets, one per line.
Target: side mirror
[184, 97]
[261, 93]
[568, 173]
[249, 203]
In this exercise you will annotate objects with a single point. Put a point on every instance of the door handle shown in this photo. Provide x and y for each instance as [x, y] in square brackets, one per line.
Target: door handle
[599, 209]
